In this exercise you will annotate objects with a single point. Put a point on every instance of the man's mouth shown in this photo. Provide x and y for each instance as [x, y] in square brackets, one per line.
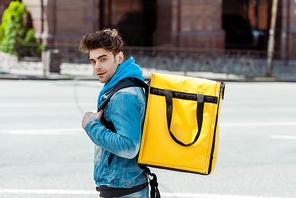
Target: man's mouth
[101, 74]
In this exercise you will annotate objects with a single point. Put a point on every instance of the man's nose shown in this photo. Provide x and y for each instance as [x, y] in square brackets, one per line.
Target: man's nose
[98, 65]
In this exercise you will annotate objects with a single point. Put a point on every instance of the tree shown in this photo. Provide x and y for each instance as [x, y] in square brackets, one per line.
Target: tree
[15, 37]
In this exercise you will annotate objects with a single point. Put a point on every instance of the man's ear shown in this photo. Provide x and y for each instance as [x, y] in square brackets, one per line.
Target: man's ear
[120, 57]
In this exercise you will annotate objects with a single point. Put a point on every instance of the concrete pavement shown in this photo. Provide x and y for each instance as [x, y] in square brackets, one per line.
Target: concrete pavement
[46, 154]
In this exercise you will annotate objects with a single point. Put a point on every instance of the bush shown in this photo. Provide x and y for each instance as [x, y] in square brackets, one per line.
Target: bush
[15, 37]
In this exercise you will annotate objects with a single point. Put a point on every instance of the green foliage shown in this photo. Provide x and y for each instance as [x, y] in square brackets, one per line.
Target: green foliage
[15, 37]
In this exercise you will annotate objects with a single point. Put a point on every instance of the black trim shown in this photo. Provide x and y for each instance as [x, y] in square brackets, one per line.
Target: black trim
[118, 192]
[173, 169]
[221, 95]
[182, 95]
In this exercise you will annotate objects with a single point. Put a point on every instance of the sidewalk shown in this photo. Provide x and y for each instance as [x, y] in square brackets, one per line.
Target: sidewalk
[13, 69]
[88, 75]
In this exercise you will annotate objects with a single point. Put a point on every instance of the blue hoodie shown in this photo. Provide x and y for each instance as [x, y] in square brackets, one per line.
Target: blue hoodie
[126, 69]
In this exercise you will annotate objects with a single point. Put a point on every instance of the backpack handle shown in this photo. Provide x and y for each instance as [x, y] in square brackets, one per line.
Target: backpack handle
[199, 111]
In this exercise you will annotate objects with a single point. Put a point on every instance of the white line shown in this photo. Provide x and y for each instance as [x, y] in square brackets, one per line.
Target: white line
[77, 131]
[74, 131]
[11, 105]
[46, 191]
[243, 124]
[84, 192]
[283, 137]
[189, 195]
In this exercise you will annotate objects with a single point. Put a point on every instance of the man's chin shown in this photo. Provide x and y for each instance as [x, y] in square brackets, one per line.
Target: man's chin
[101, 79]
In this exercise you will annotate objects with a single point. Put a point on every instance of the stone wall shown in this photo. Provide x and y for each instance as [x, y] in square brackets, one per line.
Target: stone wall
[63, 22]
[288, 25]
[189, 23]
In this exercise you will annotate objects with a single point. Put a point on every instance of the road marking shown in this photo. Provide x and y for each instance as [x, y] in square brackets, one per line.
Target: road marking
[84, 192]
[46, 191]
[77, 131]
[12, 105]
[73, 131]
[246, 124]
[283, 137]
[189, 195]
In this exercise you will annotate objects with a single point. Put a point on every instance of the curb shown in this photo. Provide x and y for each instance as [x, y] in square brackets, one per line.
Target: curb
[86, 78]
[31, 77]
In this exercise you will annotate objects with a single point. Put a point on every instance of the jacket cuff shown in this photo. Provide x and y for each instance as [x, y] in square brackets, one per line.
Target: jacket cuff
[91, 123]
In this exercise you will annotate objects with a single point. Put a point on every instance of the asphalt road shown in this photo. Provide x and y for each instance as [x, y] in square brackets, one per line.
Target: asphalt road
[44, 152]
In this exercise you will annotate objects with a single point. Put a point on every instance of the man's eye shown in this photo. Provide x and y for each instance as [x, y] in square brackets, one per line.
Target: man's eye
[92, 62]
[103, 59]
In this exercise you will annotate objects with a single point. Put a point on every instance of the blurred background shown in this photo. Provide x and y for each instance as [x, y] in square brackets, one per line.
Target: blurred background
[218, 36]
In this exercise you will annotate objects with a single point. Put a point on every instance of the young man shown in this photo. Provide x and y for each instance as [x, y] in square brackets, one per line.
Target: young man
[116, 171]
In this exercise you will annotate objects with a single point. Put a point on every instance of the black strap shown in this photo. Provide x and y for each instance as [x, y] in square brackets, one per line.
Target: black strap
[199, 111]
[154, 192]
[127, 82]
[118, 192]
[184, 96]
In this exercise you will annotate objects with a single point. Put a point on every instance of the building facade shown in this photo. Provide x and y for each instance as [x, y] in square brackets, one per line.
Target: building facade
[162, 23]
[189, 23]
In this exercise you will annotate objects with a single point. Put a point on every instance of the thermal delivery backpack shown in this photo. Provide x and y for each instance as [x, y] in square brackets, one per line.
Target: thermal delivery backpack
[181, 130]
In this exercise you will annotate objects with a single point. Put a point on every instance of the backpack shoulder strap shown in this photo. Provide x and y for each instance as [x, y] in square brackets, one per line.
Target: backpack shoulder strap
[127, 82]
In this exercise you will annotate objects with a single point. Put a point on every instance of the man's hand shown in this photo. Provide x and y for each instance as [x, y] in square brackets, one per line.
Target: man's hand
[88, 116]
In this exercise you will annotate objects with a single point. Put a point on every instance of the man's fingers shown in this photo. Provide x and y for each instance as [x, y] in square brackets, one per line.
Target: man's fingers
[99, 115]
[88, 116]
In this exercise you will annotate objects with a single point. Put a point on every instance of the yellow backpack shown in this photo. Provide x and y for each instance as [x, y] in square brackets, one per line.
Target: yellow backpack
[180, 131]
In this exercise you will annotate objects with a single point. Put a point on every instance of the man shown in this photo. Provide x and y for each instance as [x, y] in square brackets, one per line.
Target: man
[116, 171]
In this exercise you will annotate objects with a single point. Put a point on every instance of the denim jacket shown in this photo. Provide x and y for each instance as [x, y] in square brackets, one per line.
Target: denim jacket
[116, 153]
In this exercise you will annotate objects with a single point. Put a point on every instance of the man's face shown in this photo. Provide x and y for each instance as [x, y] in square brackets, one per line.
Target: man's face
[104, 63]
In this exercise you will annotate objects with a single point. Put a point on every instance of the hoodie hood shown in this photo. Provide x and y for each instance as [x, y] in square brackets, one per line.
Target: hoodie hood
[126, 69]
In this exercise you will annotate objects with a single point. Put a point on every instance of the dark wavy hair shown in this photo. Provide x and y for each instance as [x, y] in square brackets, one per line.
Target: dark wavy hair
[108, 39]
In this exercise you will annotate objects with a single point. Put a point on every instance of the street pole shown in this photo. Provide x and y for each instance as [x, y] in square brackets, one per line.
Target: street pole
[270, 49]
[287, 33]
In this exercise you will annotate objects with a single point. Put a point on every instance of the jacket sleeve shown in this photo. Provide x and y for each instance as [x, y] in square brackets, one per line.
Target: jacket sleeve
[126, 117]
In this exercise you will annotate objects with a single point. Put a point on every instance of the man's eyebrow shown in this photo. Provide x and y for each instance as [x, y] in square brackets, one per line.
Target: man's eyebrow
[98, 57]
